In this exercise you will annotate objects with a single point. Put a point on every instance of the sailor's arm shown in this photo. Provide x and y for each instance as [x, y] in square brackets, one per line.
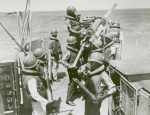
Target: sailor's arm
[51, 47]
[70, 29]
[121, 38]
[74, 31]
[60, 53]
[84, 89]
[32, 85]
[105, 47]
[97, 71]
[95, 98]
[108, 45]
[111, 87]
[60, 57]
[65, 58]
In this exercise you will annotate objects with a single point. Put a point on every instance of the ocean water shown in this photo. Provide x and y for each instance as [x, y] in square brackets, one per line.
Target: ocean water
[135, 24]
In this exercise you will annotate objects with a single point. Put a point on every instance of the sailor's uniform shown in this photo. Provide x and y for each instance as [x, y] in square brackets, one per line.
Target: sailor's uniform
[35, 92]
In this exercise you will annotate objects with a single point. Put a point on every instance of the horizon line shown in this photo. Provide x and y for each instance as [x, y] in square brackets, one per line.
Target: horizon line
[78, 10]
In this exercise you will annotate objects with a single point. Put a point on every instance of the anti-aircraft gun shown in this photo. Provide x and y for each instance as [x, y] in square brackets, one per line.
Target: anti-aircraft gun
[99, 29]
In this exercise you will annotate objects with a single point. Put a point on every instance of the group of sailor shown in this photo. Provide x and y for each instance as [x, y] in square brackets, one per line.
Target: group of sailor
[84, 59]
[35, 74]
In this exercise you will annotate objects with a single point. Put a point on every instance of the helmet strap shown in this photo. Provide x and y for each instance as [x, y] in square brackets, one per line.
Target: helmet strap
[73, 45]
[72, 49]
[30, 71]
[54, 36]
[94, 65]
[73, 15]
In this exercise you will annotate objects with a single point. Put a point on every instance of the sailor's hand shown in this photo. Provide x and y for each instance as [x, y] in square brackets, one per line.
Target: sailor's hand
[50, 103]
[87, 73]
[75, 80]
[72, 67]
[82, 33]
[41, 62]
[98, 100]
[97, 50]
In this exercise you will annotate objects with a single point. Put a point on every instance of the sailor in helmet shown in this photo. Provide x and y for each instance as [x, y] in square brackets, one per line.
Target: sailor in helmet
[34, 87]
[107, 46]
[40, 54]
[56, 53]
[89, 47]
[98, 84]
[118, 38]
[67, 61]
[73, 23]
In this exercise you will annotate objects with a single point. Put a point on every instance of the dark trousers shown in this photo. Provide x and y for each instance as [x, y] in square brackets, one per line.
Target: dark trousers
[78, 42]
[91, 108]
[72, 87]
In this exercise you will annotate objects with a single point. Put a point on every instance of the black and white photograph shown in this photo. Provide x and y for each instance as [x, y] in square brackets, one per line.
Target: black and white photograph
[74, 57]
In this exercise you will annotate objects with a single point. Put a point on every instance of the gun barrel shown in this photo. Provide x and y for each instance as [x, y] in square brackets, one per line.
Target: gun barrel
[80, 52]
[110, 11]
[85, 90]
[13, 38]
[49, 89]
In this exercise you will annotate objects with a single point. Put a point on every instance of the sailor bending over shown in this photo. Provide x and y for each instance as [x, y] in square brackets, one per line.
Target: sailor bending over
[98, 84]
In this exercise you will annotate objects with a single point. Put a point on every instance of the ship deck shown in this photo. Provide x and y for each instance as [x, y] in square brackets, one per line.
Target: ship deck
[60, 93]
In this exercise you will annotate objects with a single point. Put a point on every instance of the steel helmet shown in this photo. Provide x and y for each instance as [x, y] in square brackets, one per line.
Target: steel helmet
[71, 40]
[30, 61]
[96, 57]
[39, 52]
[54, 32]
[71, 10]
[115, 24]
[98, 43]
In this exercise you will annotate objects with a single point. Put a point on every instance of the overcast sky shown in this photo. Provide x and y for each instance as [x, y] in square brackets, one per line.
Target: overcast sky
[47, 5]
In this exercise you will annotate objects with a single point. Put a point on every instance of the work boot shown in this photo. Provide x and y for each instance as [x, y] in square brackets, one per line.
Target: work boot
[70, 103]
